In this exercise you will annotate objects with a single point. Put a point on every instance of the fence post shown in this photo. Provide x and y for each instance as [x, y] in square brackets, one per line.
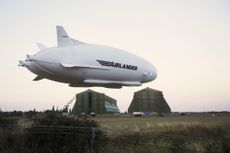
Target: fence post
[93, 140]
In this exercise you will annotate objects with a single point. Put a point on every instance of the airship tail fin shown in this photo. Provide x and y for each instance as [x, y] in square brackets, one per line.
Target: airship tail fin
[41, 46]
[38, 78]
[62, 37]
[64, 40]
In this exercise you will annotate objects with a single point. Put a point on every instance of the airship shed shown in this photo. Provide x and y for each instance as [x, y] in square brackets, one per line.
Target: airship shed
[90, 101]
[149, 100]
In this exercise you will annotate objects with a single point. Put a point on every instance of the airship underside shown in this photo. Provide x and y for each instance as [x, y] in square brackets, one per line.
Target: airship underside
[85, 65]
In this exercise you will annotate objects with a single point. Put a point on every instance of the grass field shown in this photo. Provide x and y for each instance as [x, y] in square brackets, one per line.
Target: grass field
[199, 133]
[115, 125]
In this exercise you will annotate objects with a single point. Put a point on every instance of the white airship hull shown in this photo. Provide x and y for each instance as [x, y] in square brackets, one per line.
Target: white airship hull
[86, 65]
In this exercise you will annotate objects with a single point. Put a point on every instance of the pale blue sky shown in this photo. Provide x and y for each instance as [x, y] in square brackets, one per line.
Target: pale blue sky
[187, 40]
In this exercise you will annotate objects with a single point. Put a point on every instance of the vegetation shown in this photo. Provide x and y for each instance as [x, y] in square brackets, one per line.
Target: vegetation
[195, 139]
[170, 134]
[52, 133]
[5, 120]
[45, 133]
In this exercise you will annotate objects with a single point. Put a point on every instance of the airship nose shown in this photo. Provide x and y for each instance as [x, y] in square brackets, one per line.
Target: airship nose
[150, 74]
[154, 73]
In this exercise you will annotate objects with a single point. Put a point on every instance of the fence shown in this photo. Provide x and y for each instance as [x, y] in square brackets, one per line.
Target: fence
[85, 139]
[77, 139]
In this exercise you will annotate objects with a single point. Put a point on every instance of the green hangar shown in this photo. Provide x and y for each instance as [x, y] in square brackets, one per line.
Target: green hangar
[89, 101]
[149, 100]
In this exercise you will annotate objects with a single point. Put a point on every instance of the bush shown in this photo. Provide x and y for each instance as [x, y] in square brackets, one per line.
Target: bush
[50, 134]
[57, 119]
[53, 133]
[7, 121]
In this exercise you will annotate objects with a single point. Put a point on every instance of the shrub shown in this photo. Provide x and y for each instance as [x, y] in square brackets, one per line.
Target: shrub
[6, 120]
[57, 133]
[53, 133]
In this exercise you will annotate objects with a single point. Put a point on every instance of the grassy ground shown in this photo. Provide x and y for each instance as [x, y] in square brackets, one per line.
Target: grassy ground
[115, 125]
[170, 134]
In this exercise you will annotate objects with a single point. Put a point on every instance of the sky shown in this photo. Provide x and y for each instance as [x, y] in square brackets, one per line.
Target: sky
[188, 41]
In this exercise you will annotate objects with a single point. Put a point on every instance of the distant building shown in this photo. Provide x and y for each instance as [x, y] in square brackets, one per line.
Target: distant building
[149, 100]
[89, 101]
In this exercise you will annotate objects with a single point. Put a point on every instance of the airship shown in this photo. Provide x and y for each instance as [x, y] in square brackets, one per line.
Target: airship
[81, 64]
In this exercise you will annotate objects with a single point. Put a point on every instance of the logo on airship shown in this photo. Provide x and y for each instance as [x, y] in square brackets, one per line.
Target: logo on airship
[64, 36]
[117, 65]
